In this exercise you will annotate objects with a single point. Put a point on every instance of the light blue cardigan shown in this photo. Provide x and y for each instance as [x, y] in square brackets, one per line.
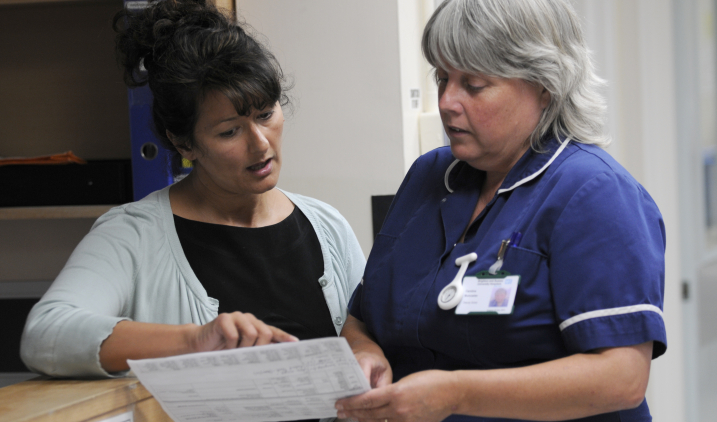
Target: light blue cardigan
[131, 266]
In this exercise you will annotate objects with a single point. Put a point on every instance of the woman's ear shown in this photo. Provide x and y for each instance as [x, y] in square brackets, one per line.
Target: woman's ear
[544, 98]
[185, 152]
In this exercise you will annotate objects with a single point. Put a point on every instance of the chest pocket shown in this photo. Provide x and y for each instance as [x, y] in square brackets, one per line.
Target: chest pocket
[530, 334]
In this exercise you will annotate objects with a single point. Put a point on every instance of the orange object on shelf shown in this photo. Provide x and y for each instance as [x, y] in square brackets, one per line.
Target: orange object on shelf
[62, 158]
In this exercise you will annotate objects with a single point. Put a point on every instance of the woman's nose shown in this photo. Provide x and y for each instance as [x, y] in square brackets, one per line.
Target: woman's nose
[448, 99]
[258, 141]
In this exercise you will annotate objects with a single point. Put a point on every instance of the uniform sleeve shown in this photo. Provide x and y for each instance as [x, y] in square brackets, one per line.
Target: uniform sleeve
[355, 302]
[400, 206]
[65, 329]
[607, 267]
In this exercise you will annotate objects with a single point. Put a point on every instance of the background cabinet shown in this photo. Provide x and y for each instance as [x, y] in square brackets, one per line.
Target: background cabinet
[60, 89]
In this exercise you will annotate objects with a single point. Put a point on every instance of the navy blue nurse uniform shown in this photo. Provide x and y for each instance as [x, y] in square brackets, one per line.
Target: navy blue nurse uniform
[591, 261]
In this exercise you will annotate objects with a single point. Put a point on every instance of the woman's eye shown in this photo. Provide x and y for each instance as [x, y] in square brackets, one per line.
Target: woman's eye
[229, 133]
[474, 84]
[267, 115]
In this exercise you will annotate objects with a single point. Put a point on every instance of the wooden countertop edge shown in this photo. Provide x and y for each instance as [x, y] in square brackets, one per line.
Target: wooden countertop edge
[43, 399]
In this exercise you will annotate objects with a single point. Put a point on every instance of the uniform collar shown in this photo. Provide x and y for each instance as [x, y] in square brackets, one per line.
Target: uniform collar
[531, 165]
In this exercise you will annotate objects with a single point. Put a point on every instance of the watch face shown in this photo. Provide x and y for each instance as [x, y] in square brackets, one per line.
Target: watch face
[448, 294]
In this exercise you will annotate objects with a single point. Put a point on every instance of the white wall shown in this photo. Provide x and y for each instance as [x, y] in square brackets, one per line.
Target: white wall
[697, 127]
[633, 41]
[413, 75]
[346, 139]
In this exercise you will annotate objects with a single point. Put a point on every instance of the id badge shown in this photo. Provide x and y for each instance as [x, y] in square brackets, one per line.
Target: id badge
[488, 294]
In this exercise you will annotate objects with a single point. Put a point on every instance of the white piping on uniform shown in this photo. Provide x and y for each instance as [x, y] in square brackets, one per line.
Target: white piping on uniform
[609, 312]
[537, 173]
[448, 172]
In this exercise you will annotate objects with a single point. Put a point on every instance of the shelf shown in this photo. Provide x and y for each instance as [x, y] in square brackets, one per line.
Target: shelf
[14, 2]
[224, 4]
[44, 213]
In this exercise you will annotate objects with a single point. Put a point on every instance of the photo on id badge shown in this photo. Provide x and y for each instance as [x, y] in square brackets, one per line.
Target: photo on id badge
[485, 294]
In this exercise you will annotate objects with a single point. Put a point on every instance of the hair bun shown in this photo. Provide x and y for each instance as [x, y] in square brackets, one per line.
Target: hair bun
[145, 34]
[189, 48]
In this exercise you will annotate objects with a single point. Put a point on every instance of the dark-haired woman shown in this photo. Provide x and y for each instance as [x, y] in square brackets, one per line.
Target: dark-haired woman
[221, 259]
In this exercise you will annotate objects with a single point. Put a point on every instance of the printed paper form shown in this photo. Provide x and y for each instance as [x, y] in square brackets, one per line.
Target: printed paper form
[277, 382]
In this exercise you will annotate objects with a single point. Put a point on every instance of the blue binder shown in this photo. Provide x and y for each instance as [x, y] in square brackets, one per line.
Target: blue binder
[151, 167]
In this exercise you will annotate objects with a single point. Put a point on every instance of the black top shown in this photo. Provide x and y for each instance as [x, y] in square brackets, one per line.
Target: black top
[272, 272]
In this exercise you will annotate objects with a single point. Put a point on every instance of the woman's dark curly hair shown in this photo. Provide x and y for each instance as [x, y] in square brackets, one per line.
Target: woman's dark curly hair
[189, 48]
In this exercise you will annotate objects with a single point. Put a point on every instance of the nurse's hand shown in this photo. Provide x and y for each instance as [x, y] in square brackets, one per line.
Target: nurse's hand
[375, 367]
[425, 396]
[229, 331]
[367, 352]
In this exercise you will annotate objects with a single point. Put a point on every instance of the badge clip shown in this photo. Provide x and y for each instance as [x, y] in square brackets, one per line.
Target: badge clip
[513, 241]
[452, 294]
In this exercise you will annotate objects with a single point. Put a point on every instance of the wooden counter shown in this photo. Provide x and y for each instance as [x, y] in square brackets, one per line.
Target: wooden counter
[43, 399]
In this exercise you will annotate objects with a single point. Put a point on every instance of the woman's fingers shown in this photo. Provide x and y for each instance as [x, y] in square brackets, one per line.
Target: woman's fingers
[376, 369]
[245, 330]
[370, 405]
[426, 396]
[382, 377]
[367, 368]
[383, 380]
[280, 336]
[247, 326]
[264, 334]
[371, 415]
[228, 332]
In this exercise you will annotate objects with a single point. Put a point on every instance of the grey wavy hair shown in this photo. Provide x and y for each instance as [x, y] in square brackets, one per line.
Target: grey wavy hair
[539, 41]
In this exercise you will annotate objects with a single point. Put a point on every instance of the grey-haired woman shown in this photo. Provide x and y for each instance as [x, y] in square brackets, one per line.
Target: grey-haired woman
[525, 199]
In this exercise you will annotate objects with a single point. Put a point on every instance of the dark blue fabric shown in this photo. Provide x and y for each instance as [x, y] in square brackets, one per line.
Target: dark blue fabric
[593, 239]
